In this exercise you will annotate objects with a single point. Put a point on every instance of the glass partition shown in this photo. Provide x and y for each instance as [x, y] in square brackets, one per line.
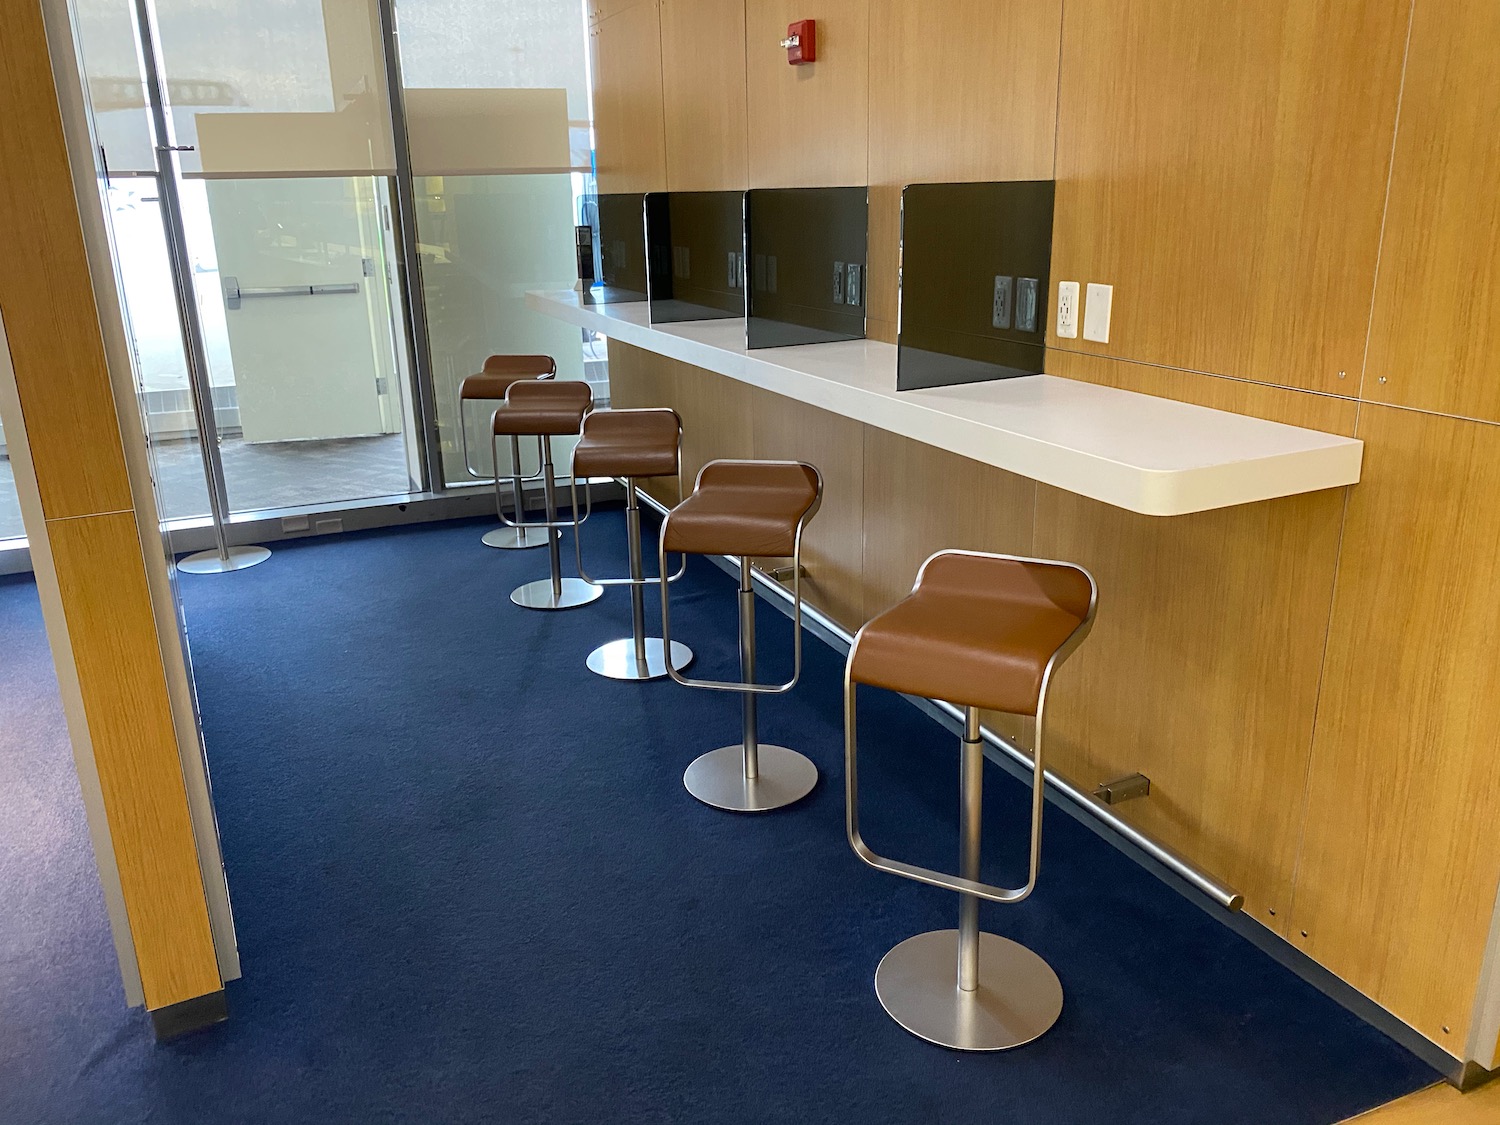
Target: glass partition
[696, 247]
[499, 143]
[805, 252]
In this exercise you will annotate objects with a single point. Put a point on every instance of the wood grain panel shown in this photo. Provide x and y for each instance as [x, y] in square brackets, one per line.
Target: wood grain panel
[833, 546]
[1330, 413]
[1399, 866]
[638, 379]
[1438, 1105]
[1202, 669]
[1223, 166]
[704, 91]
[718, 418]
[949, 105]
[45, 290]
[102, 578]
[808, 125]
[629, 130]
[1436, 329]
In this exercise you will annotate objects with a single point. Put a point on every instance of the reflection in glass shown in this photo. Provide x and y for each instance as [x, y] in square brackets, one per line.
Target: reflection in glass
[619, 223]
[695, 241]
[10, 505]
[974, 262]
[805, 259]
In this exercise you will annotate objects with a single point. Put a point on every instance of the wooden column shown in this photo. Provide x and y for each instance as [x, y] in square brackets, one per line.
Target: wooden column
[89, 522]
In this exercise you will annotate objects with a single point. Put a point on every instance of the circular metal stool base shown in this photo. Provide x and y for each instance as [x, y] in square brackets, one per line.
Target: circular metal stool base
[515, 538]
[1019, 996]
[617, 660]
[718, 779]
[209, 562]
[539, 595]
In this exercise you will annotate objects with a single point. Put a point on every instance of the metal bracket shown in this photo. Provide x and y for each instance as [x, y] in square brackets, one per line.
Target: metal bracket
[786, 573]
[1122, 789]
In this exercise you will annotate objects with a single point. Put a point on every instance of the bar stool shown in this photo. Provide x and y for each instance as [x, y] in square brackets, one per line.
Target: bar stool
[749, 509]
[499, 372]
[979, 631]
[631, 444]
[545, 410]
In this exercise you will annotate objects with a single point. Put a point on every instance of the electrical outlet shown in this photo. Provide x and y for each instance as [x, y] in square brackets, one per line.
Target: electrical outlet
[852, 284]
[1000, 315]
[1067, 310]
[1096, 310]
[838, 283]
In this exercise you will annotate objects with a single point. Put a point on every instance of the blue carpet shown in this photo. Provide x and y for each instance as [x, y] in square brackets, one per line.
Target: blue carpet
[470, 887]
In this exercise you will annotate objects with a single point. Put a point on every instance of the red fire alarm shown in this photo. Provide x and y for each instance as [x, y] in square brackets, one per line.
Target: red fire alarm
[801, 42]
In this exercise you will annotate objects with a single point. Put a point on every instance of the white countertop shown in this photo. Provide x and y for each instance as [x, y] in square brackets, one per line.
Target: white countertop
[1150, 455]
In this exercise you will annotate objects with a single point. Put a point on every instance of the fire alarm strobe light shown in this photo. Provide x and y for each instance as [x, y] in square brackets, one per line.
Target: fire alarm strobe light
[801, 42]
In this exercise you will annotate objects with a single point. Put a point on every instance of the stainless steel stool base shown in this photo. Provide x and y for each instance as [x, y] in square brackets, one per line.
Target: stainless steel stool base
[209, 562]
[515, 538]
[718, 779]
[539, 595]
[1019, 996]
[617, 660]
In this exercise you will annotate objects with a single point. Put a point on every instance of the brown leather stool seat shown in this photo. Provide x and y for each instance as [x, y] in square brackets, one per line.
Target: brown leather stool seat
[748, 509]
[745, 508]
[545, 410]
[490, 384]
[500, 371]
[978, 631]
[631, 444]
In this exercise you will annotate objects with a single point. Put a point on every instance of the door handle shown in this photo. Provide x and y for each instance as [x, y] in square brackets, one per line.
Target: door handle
[234, 293]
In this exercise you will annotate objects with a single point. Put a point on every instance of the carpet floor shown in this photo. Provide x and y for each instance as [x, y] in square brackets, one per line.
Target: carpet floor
[470, 887]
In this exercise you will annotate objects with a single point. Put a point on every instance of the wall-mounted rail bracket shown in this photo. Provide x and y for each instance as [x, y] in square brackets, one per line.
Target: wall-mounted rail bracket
[1122, 789]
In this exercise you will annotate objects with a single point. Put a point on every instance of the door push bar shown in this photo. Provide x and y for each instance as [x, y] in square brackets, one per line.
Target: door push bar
[233, 294]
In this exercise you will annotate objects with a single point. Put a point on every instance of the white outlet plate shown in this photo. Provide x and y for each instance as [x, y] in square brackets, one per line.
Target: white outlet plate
[1096, 310]
[1067, 310]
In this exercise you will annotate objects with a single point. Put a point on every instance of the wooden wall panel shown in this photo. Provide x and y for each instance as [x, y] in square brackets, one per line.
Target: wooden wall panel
[1438, 1105]
[639, 379]
[46, 291]
[833, 546]
[1435, 337]
[1223, 166]
[809, 125]
[703, 87]
[947, 104]
[1401, 858]
[1202, 669]
[718, 418]
[629, 130]
[101, 574]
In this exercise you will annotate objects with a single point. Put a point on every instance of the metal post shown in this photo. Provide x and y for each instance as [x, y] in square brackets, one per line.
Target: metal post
[554, 551]
[409, 259]
[751, 741]
[637, 572]
[223, 558]
[971, 797]
[517, 497]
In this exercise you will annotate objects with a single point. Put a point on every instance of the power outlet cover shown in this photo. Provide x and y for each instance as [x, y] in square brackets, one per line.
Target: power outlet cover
[1101, 299]
[1067, 310]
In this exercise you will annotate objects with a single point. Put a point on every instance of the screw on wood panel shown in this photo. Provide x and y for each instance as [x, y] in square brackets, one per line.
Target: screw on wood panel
[1304, 933]
[1382, 380]
[1341, 374]
[1271, 911]
[1447, 1030]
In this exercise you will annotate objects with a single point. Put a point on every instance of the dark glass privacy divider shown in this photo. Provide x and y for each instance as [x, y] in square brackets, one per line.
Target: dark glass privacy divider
[620, 234]
[695, 250]
[805, 259]
[974, 284]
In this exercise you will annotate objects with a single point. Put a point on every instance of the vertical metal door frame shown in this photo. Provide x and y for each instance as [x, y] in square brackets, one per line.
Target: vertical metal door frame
[148, 43]
[409, 260]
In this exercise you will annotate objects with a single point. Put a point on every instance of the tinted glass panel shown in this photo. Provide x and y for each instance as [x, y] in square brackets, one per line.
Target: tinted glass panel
[620, 239]
[974, 285]
[696, 249]
[805, 258]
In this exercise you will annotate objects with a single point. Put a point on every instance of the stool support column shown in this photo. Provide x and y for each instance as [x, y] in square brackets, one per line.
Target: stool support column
[751, 742]
[637, 572]
[549, 489]
[555, 591]
[971, 801]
